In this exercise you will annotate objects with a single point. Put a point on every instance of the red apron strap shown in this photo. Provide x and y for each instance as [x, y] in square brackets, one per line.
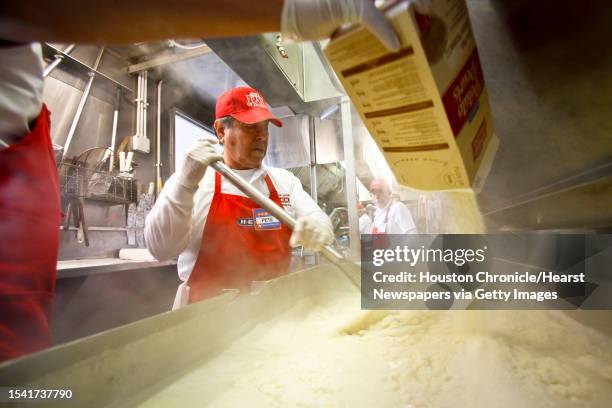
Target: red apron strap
[270, 185]
[387, 214]
[217, 184]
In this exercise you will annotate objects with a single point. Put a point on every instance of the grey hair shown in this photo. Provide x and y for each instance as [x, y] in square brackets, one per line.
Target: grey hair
[227, 121]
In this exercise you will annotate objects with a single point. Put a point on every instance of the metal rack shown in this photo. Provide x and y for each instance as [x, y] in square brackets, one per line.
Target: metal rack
[79, 180]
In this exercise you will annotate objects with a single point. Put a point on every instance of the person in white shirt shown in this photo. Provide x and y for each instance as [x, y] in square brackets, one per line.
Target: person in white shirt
[390, 217]
[222, 238]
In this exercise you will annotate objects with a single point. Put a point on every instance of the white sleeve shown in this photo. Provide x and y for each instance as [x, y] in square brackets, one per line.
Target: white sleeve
[304, 205]
[21, 86]
[365, 225]
[168, 225]
[404, 220]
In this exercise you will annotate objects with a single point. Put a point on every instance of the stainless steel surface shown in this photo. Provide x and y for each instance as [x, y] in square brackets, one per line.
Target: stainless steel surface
[79, 111]
[87, 267]
[331, 75]
[58, 59]
[96, 126]
[95, 229]
[289, 62]
[314, 191]
[141, 104]
[312, 137]
[63, 89]
[320, 81]
[329, 138]
[288, 146]
[166, 58]
[584, 208]
[72, 59]
[281, 80]
[328, 251]
[351, 179]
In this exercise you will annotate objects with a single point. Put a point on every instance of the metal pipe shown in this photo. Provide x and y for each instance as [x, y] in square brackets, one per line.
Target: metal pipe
[58, 59]
[117, 229]
[313, 159]
[144, 104]
[314, 191]
[158, 141]
[115, 124]
[79, 112]
[141, 97]
[143, 118]
[138, 110]
[351, 178]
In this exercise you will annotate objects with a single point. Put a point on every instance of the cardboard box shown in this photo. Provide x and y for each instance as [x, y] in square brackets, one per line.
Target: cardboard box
[427, 105]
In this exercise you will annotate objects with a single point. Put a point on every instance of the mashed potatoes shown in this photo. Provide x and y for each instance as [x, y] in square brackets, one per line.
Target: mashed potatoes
[326, 352]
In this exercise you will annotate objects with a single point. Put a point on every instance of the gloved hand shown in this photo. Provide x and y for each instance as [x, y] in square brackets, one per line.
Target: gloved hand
[317, 19]
[198, 157]
[311, 233]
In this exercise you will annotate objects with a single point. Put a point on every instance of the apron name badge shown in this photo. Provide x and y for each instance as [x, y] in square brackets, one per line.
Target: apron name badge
[264, 221]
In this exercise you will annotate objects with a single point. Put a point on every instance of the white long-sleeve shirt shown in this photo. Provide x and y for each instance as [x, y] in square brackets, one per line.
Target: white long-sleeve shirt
[399, 219]
[21, 87]
[176, 223]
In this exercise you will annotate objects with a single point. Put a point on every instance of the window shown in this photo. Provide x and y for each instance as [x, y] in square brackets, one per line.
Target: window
[186, 132]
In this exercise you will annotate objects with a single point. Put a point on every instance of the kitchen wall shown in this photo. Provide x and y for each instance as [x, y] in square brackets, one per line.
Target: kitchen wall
[62, 92]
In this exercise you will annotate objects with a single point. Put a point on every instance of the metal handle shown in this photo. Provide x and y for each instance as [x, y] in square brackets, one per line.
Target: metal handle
[328, 251]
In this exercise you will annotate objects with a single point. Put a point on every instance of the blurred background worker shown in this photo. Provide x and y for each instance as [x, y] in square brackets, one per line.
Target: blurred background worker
[223, 239]
[390, 217]
[29, 193]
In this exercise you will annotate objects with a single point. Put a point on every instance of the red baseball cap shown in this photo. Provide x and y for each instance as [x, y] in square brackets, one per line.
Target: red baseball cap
[246, 105]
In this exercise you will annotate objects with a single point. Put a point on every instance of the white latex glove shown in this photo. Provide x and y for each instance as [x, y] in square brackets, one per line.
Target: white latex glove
[311, 233]
[317, 19]
[198, 157]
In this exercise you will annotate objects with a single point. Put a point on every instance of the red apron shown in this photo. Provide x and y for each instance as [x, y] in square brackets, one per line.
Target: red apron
[240, 244]
[29, 230]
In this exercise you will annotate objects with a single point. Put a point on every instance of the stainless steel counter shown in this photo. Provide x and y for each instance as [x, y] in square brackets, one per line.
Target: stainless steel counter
[86, 267]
